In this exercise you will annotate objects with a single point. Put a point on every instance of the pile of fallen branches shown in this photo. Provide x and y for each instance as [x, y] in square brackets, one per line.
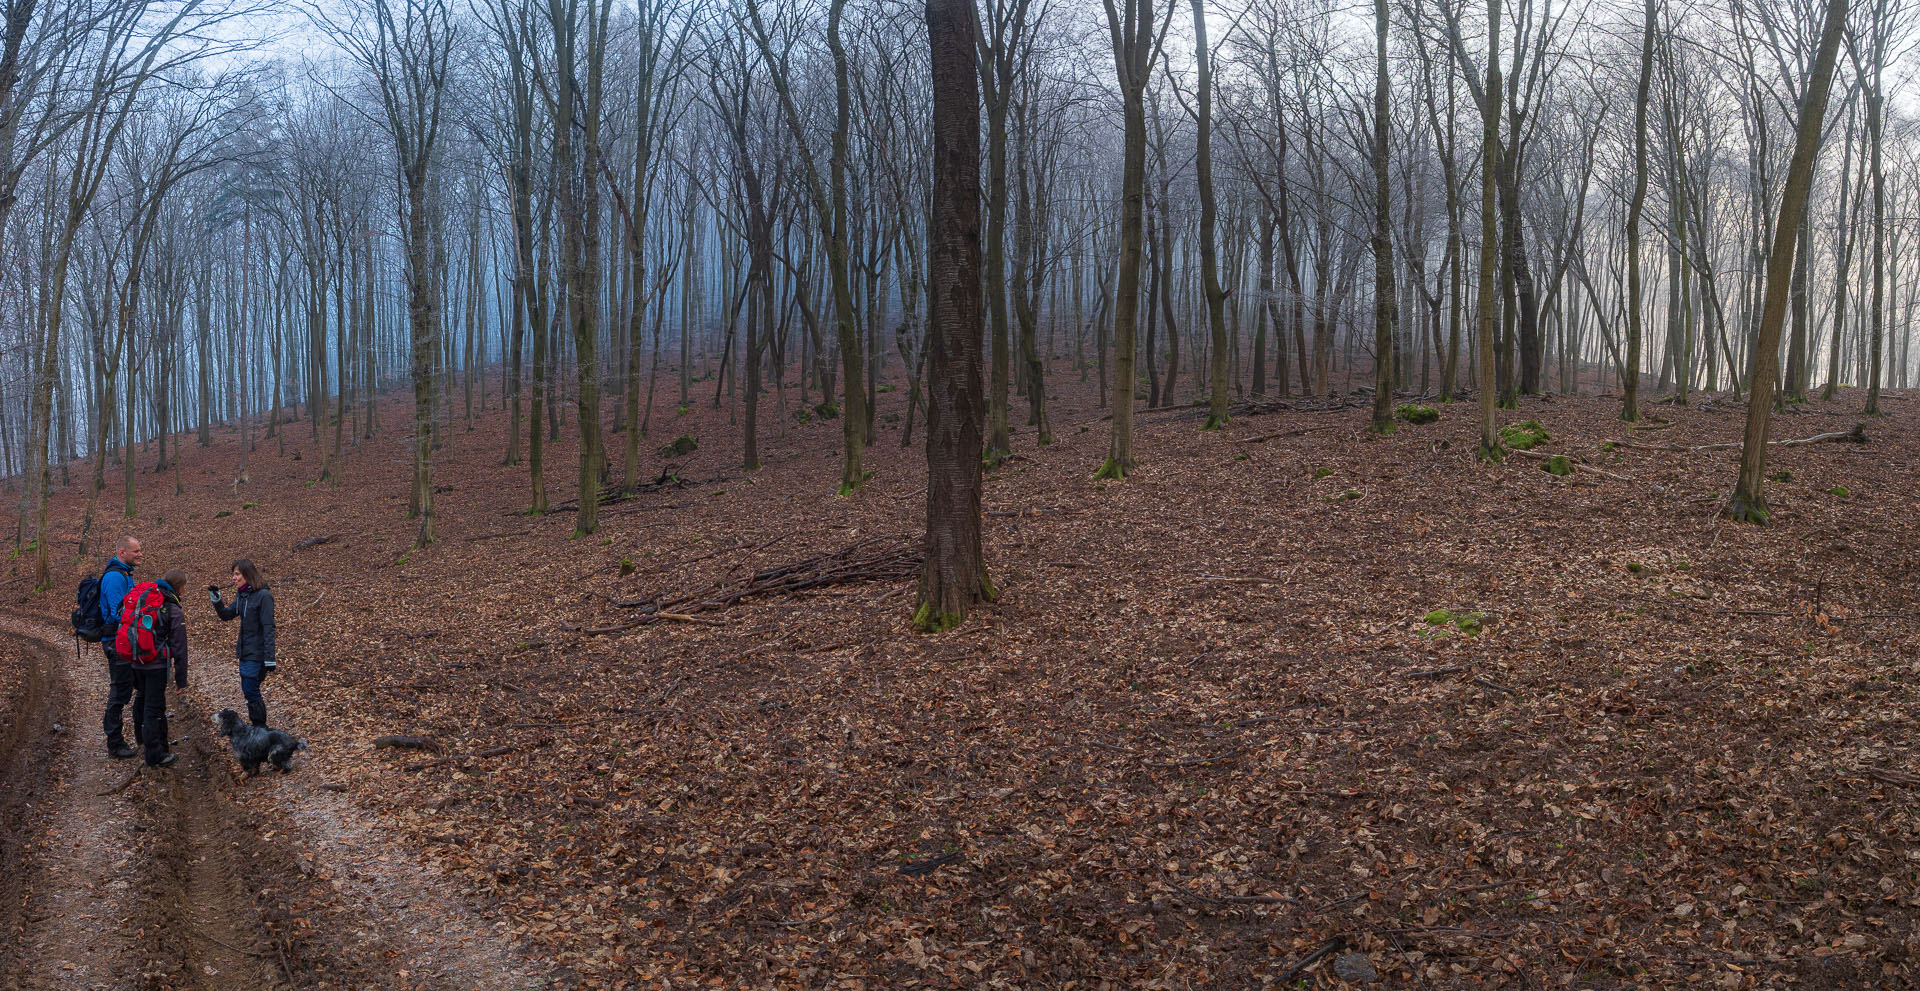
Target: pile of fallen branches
[860, 562]
[669, 478]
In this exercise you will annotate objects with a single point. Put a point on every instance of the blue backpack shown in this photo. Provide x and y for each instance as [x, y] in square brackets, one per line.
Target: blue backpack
[88, 623]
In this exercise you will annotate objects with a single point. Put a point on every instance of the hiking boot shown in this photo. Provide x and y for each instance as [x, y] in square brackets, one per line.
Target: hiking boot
[164, 761]
[121, 751]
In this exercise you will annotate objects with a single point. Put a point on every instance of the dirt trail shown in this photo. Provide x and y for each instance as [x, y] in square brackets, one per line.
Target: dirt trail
[70, 878]
[115, 875]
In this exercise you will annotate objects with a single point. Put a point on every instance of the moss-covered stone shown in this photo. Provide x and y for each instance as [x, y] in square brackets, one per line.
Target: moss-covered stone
[1524, 436]
[827, 410]
[1557, 465]
[1416, 413]
[681, 446]
[1322, 472]
[627, 567]
[1839, 490]
[1781, 476]
[1466, 623]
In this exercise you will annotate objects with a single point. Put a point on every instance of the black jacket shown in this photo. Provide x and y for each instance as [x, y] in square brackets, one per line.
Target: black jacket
[254, 608]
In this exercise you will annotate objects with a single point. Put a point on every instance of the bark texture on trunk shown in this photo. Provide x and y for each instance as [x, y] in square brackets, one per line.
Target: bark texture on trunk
[953, 577]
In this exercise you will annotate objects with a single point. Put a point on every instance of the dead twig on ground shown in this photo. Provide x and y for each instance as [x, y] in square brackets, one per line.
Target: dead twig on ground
[1496, 687]
[1330, 946]
[1887, 775]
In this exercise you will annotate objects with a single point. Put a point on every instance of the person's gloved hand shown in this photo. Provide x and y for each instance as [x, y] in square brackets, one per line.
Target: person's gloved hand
[213, 594]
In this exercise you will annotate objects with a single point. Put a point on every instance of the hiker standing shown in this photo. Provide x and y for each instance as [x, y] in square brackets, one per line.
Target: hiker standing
[253, 606]
[152, 639]
[114, 584]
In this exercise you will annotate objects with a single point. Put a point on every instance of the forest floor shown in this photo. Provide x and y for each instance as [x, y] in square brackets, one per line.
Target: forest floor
[1213, 729]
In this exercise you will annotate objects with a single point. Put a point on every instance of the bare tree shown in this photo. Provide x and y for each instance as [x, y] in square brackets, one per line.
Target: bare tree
[405, 47]
[1749, 502]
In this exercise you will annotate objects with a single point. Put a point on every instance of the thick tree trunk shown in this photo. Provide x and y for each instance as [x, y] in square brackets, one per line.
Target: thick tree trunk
[953, 577]
[1132, 36]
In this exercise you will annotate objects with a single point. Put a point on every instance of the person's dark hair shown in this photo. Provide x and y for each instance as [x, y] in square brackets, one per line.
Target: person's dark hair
[175, 579]
[250, 573]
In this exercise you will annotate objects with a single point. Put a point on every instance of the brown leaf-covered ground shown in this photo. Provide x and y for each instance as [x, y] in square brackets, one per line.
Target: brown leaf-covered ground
[1207, 730]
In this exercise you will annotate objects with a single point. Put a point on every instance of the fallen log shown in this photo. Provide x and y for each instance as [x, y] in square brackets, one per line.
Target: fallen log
[1858, 435]
[399, 742]
[325, 538]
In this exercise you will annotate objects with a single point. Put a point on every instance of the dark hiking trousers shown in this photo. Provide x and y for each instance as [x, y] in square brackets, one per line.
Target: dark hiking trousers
[119, 691]
[256, 703]
[150, 711]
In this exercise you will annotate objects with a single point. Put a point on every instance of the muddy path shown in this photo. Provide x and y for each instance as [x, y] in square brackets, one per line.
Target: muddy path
[191, 878]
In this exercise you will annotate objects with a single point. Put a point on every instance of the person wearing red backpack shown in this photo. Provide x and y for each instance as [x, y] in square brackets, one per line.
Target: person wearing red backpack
[153, 639]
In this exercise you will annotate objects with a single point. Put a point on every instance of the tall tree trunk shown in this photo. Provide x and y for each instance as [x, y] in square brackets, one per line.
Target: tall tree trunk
[1489, 235]
[1749, 501]
[1877, 320]
[953, 576]
[1383, 290]
[1209, 264]
[1630, 406]
[1131, 24]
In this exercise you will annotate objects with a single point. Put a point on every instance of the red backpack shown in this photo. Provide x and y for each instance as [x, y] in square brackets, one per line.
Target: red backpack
[143, 620]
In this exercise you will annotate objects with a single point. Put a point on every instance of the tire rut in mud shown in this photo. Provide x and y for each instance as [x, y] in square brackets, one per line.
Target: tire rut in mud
[31, 715]
[210, 882]
[115, 875]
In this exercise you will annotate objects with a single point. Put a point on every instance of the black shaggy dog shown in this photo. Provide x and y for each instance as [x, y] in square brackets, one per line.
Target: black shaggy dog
[254, 745]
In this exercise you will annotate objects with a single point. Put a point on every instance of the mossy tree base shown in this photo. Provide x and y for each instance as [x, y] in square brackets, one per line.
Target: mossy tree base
[849, 486]
[1492, 454]
[1112, 470]
[1744, 508]
[927, 619]
[1214, 422]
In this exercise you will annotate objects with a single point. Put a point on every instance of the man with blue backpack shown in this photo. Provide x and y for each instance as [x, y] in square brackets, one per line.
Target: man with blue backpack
[96, 619]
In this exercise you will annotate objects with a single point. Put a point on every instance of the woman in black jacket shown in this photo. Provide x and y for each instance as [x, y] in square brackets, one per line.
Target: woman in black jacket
[253, 606]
